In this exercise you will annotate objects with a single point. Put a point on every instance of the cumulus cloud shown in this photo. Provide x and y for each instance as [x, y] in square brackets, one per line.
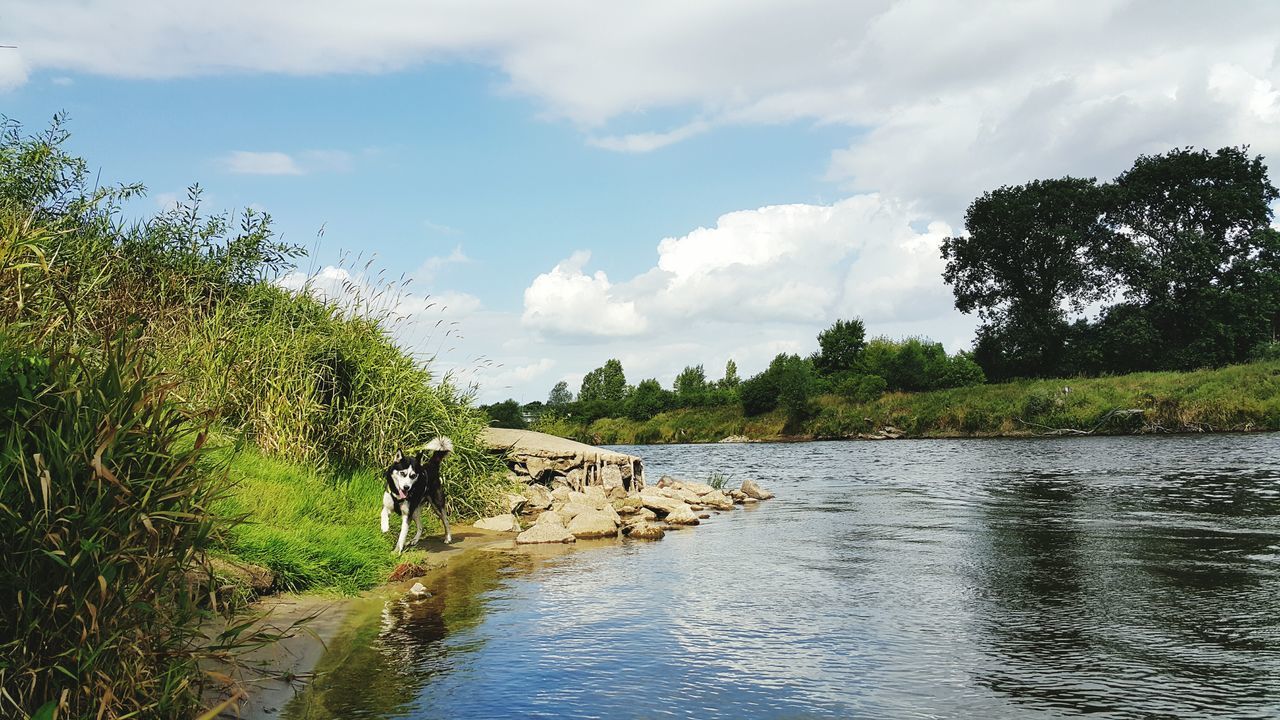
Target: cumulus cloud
[568, 302]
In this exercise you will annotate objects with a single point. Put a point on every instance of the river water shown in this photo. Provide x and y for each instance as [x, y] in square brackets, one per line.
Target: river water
[1110, 577]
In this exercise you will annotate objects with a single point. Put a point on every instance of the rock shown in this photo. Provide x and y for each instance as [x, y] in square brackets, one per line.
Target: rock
[627, 505]
[558, 482]
[571, 510]
[593, 524]
[749, 500]
[659, 503]
[406, 571]
[419, 589]
[550, 517]
[537, 497]
[696, 507]
[750, 489]
[560, 494]
[704, 516]
[536, 466]
[682, 515]
[698, 488]
[515, 503]
[737, 495]
[646, 514]
[667, 481]
[576, 477]
[687, 495]
[596, 497]
[717, 500]
[545, 532]
[499, 523]
[610, 478]
[644, 531]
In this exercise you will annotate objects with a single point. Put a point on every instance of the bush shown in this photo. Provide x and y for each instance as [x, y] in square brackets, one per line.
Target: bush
[860, 388]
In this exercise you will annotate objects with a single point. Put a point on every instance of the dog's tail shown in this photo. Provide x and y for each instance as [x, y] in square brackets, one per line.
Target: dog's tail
[440, 444]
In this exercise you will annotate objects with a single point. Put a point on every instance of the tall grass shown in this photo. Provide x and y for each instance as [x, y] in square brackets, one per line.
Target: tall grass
[121, 344]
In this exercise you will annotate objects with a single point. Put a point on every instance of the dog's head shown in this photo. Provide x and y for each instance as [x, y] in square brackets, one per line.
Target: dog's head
[403, 473]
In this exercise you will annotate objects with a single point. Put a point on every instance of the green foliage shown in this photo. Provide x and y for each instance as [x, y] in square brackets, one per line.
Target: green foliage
[1181, 243]
[860, 388]
[560, 395]
[104, 504]
[915, 365]
[606, 383]
[691, 386]
[648, 399]
[505, 414]
[840, 347]
[730, 379]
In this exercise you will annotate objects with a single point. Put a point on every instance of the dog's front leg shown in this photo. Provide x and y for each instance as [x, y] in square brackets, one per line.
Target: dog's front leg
[404, 532]
[386, 511]
[417, 522]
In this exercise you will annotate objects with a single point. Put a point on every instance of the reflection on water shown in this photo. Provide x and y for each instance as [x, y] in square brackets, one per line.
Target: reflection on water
[1116, 577]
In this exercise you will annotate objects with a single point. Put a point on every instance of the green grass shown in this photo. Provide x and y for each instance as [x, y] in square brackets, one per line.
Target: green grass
[316, 529]
[1234, 398]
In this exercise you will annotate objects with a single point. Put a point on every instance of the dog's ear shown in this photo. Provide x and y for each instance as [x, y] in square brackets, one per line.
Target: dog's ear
[399, 455]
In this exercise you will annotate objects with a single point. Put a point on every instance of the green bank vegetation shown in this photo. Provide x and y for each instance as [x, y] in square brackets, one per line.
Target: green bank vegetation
[1237, 398]
[164, 401]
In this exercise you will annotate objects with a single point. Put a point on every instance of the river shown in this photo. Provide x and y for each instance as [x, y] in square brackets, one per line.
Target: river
[1132, 577]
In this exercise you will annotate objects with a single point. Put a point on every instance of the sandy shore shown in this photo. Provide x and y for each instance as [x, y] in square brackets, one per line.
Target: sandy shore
[272, 675]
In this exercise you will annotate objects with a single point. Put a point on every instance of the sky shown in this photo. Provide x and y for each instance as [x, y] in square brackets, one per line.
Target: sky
[666, 183]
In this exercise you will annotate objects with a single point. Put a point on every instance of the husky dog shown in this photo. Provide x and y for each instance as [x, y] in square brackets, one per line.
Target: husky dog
[412, 481]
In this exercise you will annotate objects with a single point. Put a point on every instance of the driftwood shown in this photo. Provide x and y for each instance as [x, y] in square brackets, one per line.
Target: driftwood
[535, 457]
[1117, 413]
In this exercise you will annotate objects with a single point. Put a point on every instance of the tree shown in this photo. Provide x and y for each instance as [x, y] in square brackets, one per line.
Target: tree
[560, 395]
[1030, 251]
[505, 414]
[691, 386]
[730, 379]
[648, 399]
[607, 383]
[1195, 250]
[840, 346]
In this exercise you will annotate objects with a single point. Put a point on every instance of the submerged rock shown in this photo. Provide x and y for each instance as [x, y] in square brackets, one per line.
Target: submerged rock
[419, 589]
[660, 503]
[644, 531]
[499, 523]
[716, 500]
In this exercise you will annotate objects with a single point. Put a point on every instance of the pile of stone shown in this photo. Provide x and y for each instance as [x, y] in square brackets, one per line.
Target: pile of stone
[534, 457]
[544, 515]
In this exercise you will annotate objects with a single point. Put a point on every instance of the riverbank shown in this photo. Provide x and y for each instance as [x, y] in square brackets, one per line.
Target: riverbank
[1238, 398]
[271, 676]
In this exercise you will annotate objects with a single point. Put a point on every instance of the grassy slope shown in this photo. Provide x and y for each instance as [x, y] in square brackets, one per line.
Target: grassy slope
[317, 530]
[1240, 397]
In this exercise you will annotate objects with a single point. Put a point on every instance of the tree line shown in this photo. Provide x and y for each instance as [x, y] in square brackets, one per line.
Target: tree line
[845, 364]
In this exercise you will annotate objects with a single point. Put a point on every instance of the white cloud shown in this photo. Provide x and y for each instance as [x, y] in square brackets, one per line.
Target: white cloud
[566, 302]
[13, 69]
[245, 162]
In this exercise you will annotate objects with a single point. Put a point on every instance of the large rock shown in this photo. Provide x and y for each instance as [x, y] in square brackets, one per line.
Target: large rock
[611, 479]
[572, 510]
[717, 500]
[627, 505]
[593, 524]
[750, 489]
[550, 517]
[682, 515]
[560, 494]
[698, 488]
[537, 497]
[596, 497]
[644, 531]
[515, 503]
[545, 532]
[499, 523]
[536, 466]
[659, 503]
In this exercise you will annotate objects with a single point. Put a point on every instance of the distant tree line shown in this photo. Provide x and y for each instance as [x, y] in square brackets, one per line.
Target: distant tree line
[1173, 265]
[845, 364]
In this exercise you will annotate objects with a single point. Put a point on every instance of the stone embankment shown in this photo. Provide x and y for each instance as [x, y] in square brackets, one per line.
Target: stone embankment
[557, 514]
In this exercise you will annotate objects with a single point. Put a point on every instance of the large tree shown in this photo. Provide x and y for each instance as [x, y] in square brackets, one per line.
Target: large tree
[1028, 257]
[560, 395]
[606, 383]
[840, 346]
[1196, 254]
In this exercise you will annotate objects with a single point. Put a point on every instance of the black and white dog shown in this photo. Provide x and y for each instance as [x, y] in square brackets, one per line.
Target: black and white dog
[412, 481]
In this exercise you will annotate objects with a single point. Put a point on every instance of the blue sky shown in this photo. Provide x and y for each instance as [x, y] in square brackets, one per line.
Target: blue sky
[665, 183]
